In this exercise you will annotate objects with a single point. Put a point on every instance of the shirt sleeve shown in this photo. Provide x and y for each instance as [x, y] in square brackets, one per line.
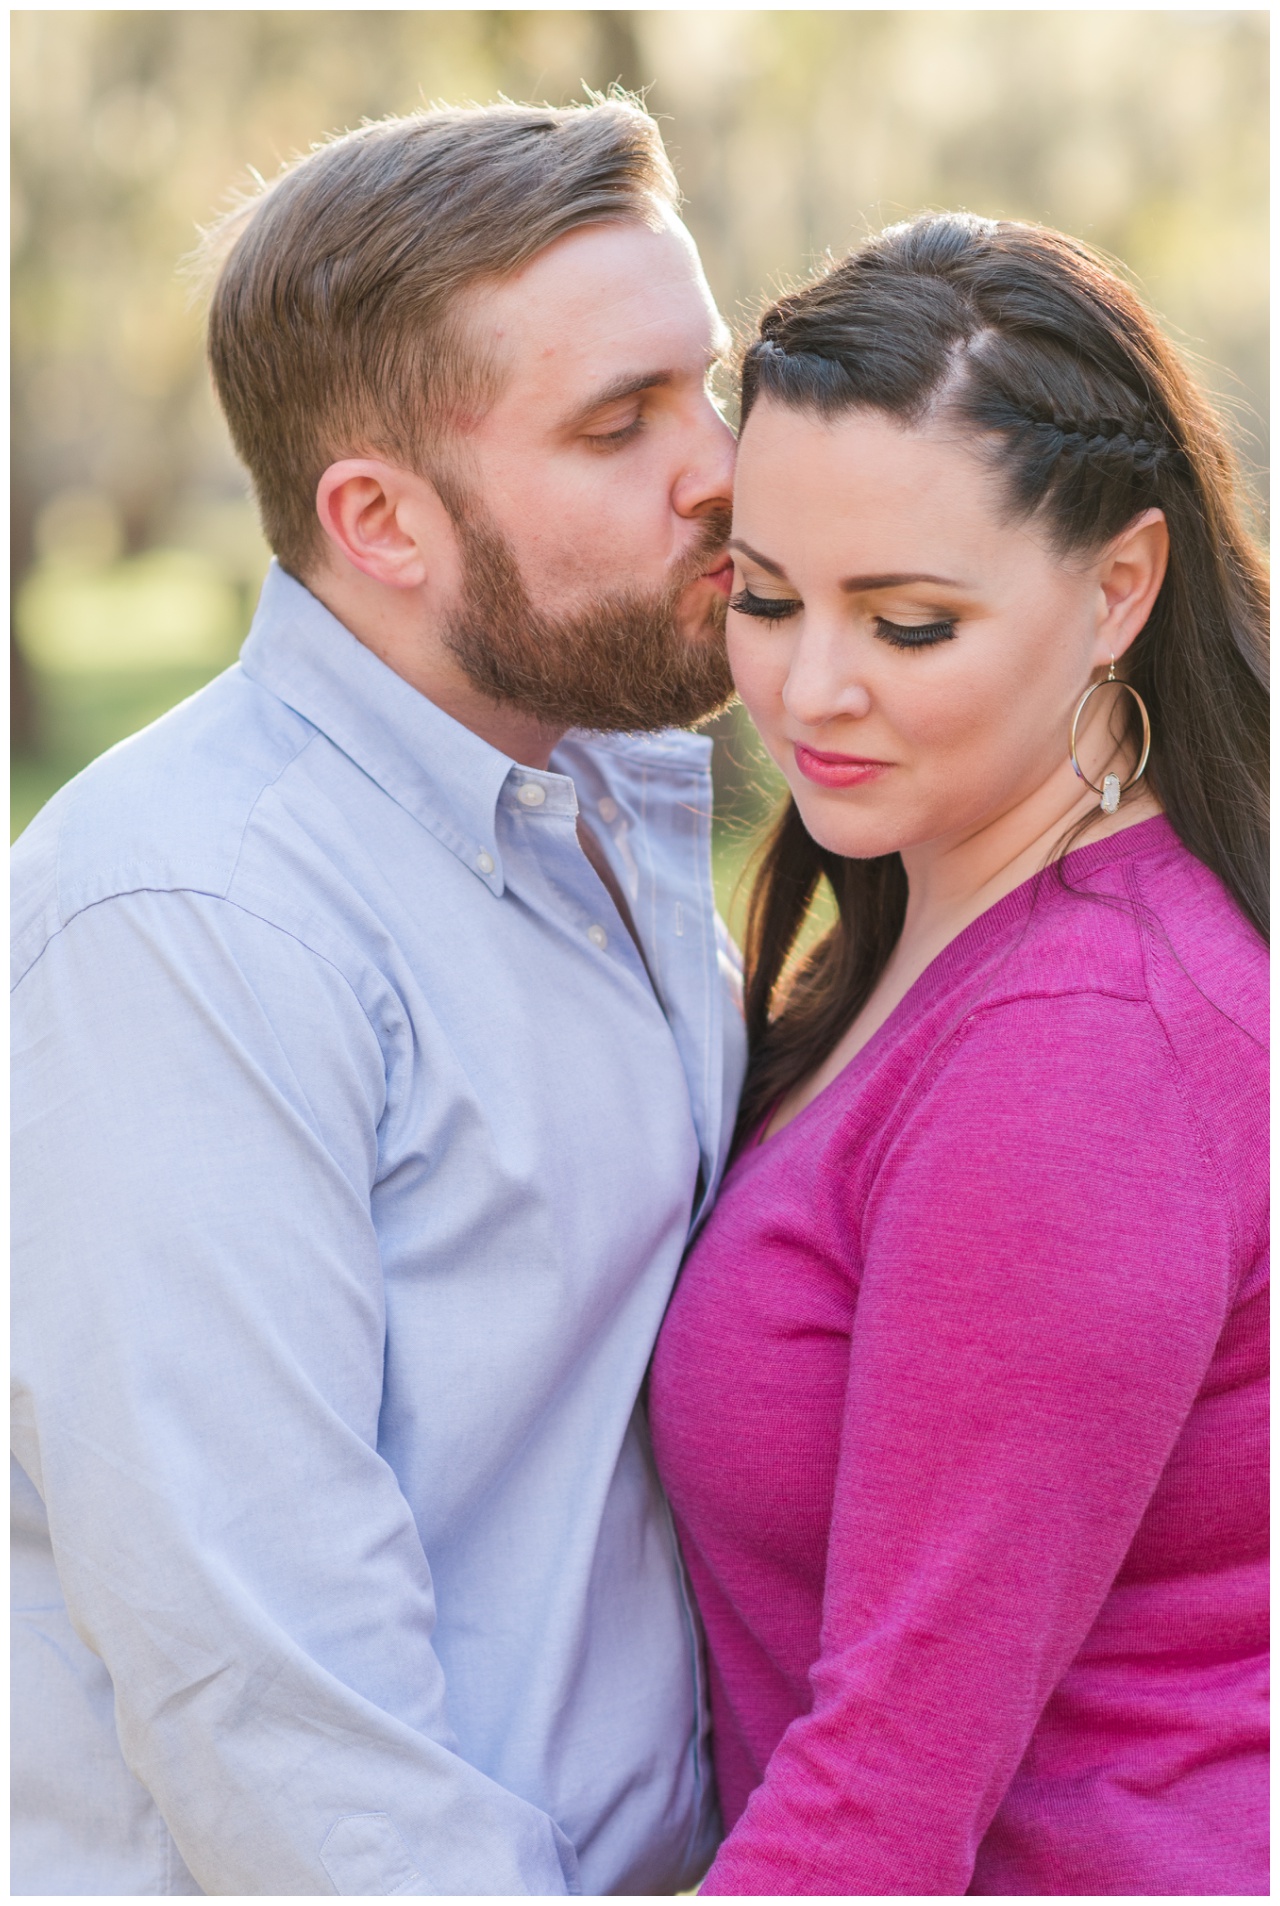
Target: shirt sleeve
[1045, 1269]
[199, 1329]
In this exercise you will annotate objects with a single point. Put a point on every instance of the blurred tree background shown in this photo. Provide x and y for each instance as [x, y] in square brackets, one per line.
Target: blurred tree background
[136, 554]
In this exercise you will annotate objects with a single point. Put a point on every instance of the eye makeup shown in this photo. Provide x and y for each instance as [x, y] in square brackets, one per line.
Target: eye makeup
[767, 608]
[917, 635]
[899, 635]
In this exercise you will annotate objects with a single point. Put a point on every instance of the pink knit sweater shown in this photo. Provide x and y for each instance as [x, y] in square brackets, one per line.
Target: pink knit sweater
[960, 1405]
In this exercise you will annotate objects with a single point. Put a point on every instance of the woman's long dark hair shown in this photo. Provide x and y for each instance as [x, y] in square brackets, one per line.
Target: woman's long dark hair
[1026, 340]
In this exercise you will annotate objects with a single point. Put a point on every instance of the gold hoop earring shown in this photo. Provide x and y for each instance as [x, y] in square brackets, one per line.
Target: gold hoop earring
[1111, 790]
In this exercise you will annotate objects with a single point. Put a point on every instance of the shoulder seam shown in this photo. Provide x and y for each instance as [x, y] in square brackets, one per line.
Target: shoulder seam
[202, 893]
[265, 789]
[274, 926]
[1208, 1153]
[943, 1052]
[65, 919]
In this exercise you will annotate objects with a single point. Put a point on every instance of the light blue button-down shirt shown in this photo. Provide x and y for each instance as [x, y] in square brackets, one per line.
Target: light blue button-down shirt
[355, 1153]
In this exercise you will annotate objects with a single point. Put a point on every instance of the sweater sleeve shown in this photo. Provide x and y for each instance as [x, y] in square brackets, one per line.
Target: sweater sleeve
[1045, 1260]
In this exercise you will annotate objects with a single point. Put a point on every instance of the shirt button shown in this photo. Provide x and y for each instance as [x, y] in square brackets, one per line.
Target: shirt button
[485, 863]
[531, 794]
[608, 809]
[598, 937]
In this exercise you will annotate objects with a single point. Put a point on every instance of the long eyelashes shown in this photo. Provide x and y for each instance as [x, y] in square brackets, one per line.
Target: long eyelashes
[921, 635]
[768, 608]
[899, 635]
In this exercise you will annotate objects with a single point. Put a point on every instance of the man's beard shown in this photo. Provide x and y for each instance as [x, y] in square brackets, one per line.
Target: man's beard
[620, 664]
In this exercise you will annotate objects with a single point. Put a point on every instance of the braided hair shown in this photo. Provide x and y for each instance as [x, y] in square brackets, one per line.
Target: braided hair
[1061, 376]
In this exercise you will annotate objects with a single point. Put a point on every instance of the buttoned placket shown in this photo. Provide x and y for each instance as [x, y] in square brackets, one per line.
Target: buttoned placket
[357, 915]
[542, 804]
[463, 791]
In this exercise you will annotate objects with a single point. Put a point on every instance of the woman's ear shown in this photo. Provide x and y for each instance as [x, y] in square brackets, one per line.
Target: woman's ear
[1130, 574]
[387, 522]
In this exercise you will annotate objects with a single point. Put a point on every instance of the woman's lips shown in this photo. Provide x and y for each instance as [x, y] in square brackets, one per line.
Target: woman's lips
[837, 770]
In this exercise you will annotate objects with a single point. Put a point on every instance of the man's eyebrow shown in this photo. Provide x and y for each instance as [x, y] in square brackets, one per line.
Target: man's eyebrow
[628, 385]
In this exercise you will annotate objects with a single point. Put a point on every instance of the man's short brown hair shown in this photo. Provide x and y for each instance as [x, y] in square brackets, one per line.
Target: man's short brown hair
[334, 323]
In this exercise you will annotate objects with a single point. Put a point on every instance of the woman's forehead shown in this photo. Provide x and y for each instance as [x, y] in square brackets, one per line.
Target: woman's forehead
[863, 475]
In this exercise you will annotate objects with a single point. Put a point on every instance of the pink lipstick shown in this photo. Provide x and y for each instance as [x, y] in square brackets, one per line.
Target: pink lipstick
[837, 770]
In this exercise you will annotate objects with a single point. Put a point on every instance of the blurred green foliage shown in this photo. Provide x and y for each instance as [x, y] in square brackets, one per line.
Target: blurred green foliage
[136, 555]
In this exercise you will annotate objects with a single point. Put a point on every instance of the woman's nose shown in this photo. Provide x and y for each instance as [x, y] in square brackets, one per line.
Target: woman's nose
[821, 686]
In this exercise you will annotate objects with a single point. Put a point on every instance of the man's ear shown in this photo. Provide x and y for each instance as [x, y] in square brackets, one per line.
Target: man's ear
[1132, 569]
[387, 522]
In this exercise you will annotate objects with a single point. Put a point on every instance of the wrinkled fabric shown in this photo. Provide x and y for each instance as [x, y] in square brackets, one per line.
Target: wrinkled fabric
[961, 1404]
[354, 1158]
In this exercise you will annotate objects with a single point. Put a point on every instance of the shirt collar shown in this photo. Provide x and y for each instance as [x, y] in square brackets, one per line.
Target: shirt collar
[448, 778]
[442, 773]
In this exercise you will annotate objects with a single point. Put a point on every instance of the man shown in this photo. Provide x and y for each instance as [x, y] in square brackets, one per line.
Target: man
[373, 1054]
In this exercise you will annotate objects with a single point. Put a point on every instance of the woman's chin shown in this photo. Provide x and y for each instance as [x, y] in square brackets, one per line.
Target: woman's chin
[840, 829]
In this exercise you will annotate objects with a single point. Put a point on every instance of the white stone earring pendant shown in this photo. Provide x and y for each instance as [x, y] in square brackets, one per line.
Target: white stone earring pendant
[1110, 793]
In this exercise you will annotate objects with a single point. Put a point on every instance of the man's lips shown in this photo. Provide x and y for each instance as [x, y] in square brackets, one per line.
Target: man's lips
[837, 770]
[721, 576]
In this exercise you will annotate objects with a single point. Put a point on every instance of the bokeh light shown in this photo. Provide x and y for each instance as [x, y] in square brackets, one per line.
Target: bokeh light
[136, 552]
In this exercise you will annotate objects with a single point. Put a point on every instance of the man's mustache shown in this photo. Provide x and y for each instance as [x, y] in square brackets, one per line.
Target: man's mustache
[712, 544]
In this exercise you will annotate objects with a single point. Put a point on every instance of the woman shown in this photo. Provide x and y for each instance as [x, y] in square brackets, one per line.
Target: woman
[959, 1400]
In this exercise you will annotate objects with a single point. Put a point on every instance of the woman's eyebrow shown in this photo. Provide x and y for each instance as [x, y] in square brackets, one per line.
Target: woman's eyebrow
[774, 569]
[853, 584]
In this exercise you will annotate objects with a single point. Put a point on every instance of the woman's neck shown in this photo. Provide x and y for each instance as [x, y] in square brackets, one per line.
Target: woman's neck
[955, 878]
[953, 881]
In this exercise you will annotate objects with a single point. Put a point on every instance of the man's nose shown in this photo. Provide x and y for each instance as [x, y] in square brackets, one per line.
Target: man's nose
[706, 480]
